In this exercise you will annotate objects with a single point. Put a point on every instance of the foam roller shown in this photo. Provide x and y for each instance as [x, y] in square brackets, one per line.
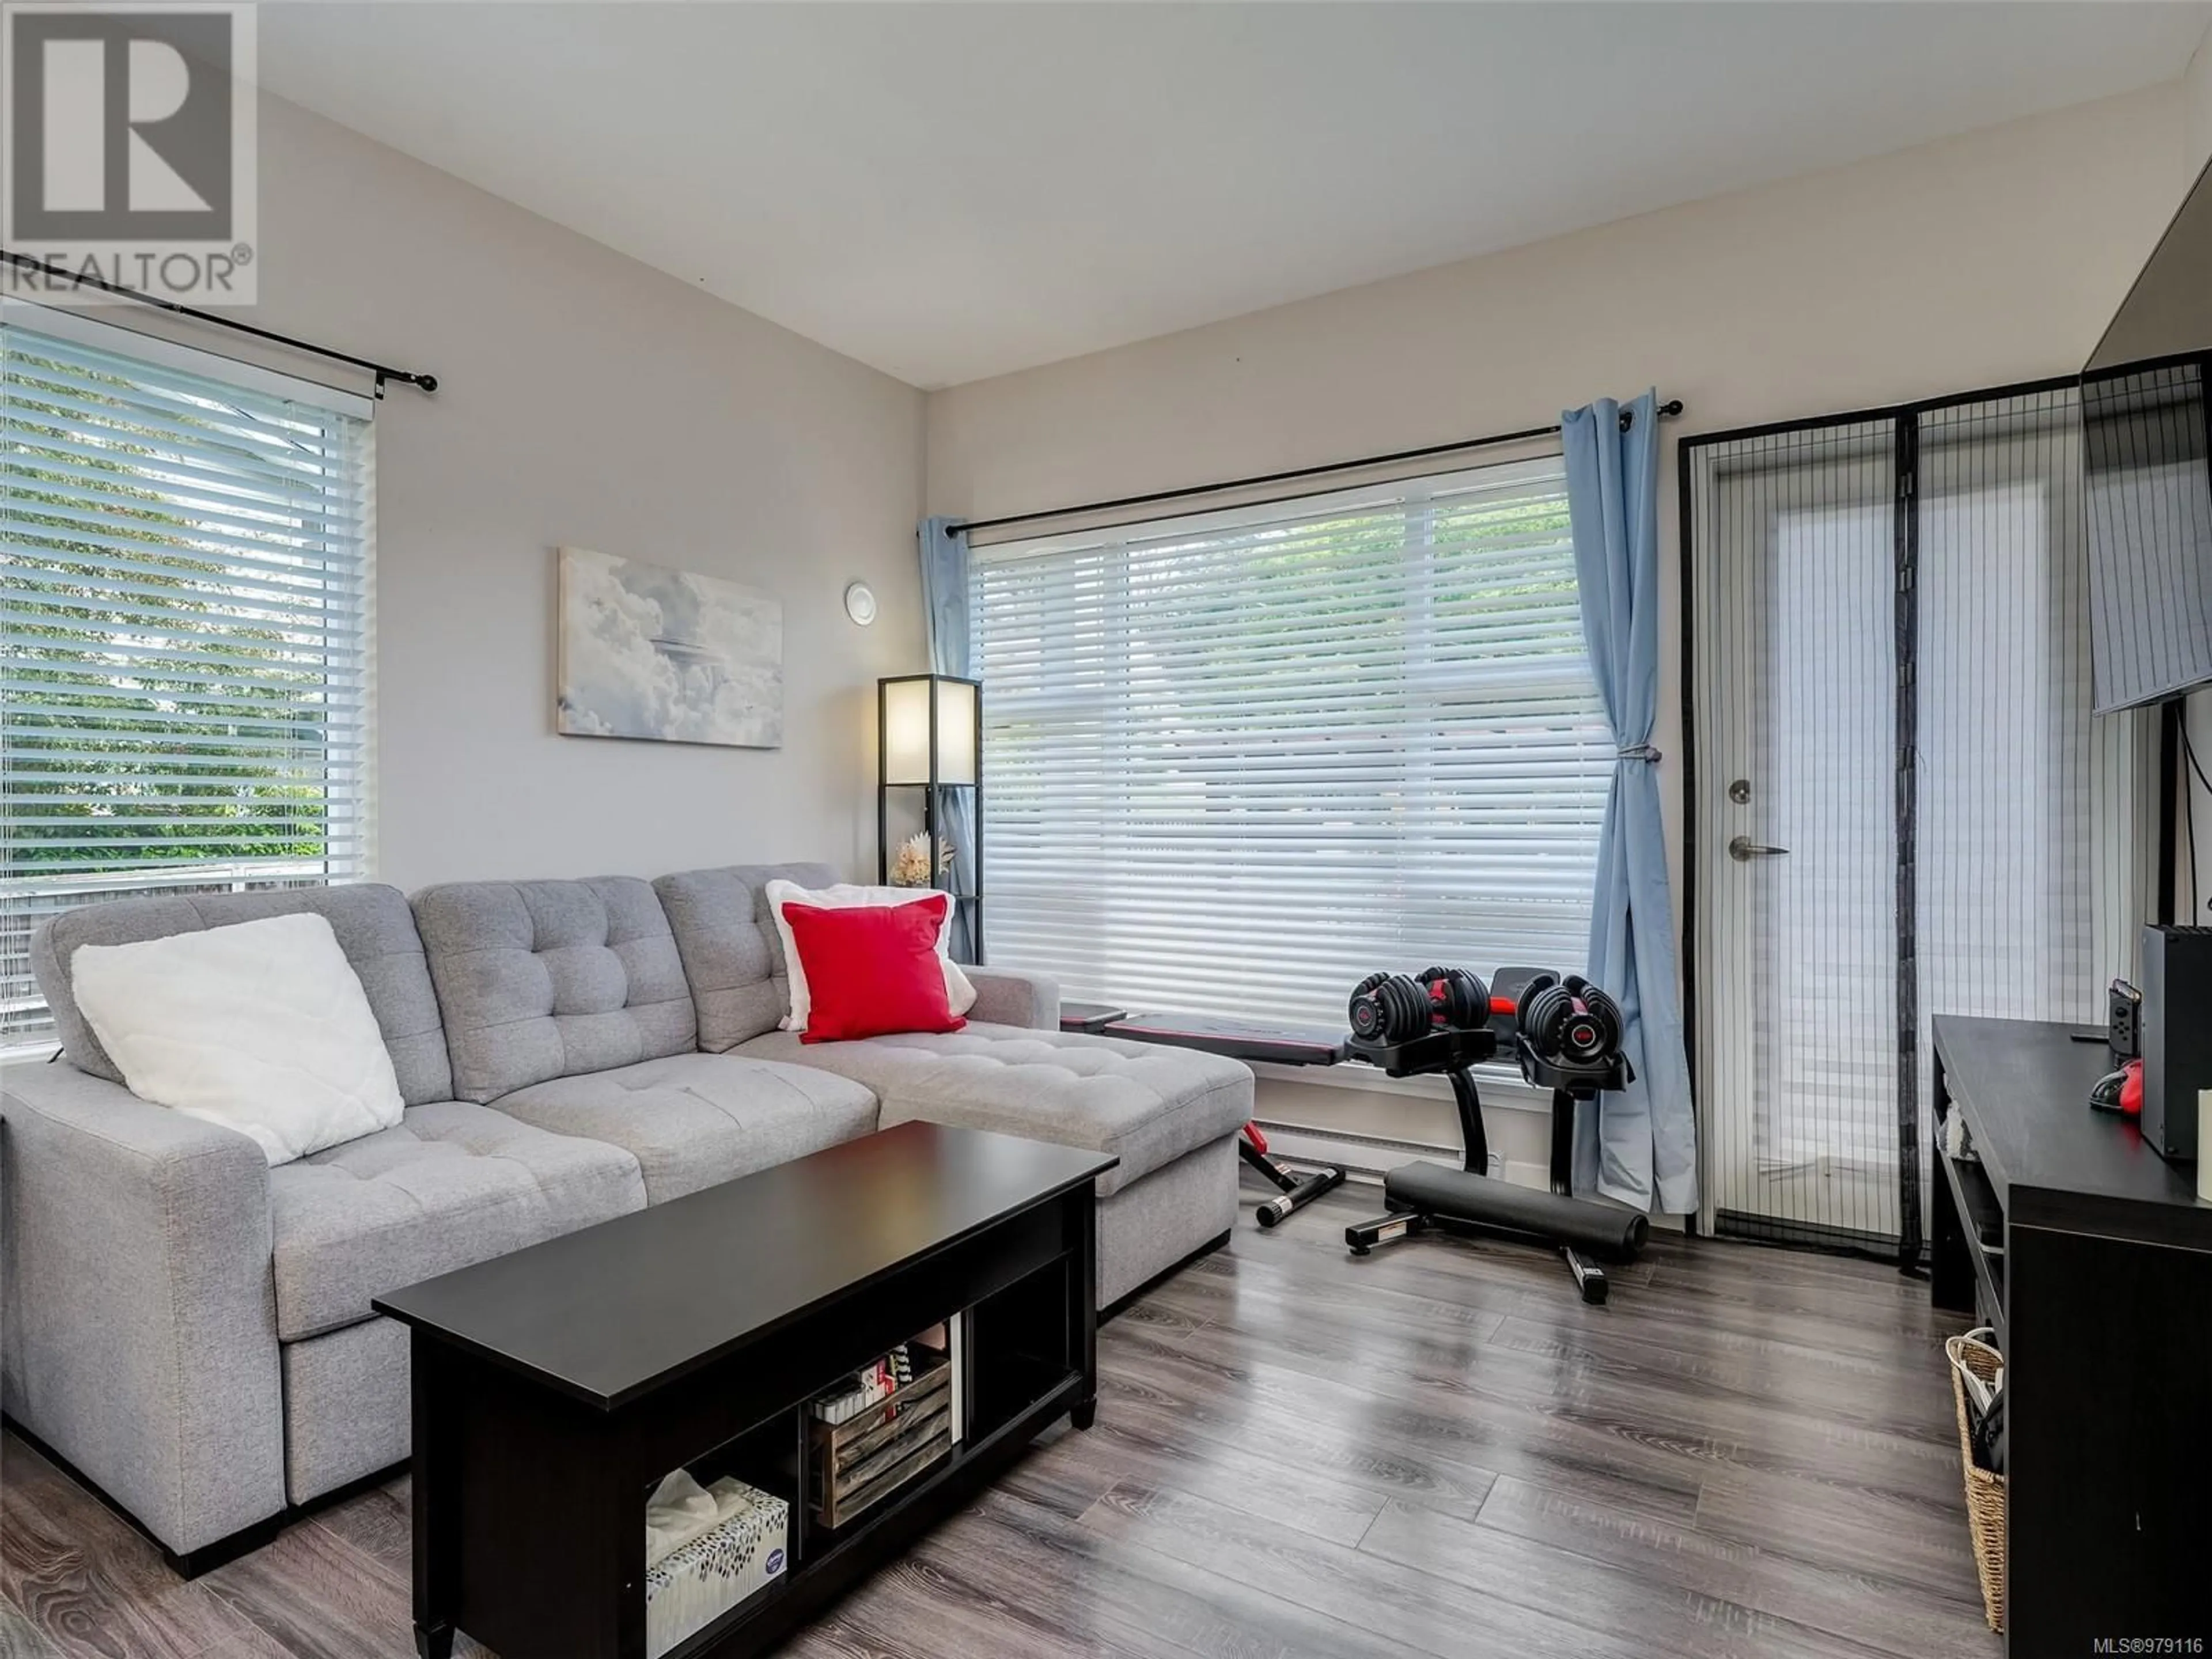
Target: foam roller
[1606, 1230]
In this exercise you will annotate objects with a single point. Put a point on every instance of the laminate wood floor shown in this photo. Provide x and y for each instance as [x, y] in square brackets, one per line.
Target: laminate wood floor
[1438, 1450]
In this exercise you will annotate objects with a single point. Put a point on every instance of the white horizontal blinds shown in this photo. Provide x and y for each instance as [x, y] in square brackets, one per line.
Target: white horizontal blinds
[184, 639]
[1232, 763]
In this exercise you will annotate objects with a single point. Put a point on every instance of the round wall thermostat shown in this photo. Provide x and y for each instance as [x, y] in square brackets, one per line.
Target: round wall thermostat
[861, 603]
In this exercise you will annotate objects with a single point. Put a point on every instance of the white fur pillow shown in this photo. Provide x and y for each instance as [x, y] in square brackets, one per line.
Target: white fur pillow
[261, 1026]
[958, 992]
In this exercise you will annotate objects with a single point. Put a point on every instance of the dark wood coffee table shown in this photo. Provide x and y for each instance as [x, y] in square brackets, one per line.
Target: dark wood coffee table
[555, 1386]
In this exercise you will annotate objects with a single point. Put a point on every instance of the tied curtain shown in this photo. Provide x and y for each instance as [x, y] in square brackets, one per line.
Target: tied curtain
[1637, 1146]
[944, 613]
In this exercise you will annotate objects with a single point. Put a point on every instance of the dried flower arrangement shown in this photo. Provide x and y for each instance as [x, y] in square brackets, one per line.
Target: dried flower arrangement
[910, 865]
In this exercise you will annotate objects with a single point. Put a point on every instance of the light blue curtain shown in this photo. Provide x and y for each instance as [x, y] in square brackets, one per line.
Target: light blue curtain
[945, 612]
[1639, 1146]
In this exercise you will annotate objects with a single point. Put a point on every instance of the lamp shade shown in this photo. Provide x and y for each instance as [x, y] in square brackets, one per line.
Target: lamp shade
[907, 705]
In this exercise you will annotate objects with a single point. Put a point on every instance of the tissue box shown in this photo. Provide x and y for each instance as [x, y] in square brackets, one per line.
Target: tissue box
[696, 1583]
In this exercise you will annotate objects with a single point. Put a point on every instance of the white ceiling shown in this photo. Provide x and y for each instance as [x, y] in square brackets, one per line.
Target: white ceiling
[952, 190]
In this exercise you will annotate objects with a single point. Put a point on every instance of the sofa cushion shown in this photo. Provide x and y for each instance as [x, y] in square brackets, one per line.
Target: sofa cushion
[782, 896]
[871, 970]
[261, 1027]
[547, 979]
[732, 954]
[455, 1183]
[374, 928]
[692, 1120]
[1145, 1104]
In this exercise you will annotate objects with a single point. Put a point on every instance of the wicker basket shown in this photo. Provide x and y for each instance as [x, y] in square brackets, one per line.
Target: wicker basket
[1986, 1493]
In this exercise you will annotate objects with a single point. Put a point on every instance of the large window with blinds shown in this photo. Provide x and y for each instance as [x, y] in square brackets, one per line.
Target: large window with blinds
[184, 616]
[1231, 762]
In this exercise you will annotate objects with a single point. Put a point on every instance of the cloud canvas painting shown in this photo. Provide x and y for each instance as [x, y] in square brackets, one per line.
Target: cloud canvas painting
[663, 655]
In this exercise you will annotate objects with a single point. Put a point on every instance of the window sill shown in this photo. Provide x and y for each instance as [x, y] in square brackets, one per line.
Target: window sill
[1499, 1086]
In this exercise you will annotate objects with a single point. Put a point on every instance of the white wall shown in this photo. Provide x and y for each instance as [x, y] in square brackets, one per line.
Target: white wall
[1994, 257]
[586, 399]
[2197, 111]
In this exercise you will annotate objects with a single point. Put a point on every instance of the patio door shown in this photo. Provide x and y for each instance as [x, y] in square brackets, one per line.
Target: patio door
[1900, 805]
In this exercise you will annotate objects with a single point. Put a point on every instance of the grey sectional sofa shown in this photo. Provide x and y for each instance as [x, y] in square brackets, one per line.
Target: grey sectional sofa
[191, 1328]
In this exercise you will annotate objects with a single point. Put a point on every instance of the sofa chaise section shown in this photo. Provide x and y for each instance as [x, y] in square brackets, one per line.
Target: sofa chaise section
[1171, 1114]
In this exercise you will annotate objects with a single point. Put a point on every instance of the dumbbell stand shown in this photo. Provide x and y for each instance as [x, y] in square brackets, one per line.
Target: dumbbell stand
[1423, 1196]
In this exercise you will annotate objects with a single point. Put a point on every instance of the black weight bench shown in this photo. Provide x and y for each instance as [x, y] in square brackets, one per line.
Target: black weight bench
[1422, 1197]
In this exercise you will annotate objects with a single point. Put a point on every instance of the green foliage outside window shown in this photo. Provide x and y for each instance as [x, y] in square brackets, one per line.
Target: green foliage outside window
[157, 707]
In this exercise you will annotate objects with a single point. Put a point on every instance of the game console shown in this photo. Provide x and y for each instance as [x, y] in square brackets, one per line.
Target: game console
[2175, 1036]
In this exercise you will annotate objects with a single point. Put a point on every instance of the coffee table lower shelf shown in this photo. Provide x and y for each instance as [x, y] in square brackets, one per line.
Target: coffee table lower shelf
[849, 1555]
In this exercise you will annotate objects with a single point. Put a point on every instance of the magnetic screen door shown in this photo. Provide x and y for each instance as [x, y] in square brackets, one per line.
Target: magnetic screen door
[1901, 806]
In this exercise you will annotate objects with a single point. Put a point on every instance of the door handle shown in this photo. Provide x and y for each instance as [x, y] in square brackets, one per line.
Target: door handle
[1743, 849]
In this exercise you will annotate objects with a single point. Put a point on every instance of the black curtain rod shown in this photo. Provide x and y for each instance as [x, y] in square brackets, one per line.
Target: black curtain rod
[383, 372]
[1668, 411]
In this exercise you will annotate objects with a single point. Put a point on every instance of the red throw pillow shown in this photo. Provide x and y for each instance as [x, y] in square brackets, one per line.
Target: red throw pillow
[872, 970]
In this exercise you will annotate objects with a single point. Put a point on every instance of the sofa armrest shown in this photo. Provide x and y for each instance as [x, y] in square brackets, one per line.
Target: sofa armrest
[137, 1313]
[1004, 997]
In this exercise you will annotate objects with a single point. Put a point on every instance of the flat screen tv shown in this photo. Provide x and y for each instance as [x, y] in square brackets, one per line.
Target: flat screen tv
[2147, 492]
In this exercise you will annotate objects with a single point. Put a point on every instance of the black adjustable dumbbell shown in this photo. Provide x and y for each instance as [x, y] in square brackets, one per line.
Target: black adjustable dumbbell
[1570, 1020]
[1458, 1001]
[1397, 1008]
[1388, 1008]
[1603, 1011]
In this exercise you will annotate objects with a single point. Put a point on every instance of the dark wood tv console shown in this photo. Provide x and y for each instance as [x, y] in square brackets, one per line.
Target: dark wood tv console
[2092, 1258]
[555, 1386]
